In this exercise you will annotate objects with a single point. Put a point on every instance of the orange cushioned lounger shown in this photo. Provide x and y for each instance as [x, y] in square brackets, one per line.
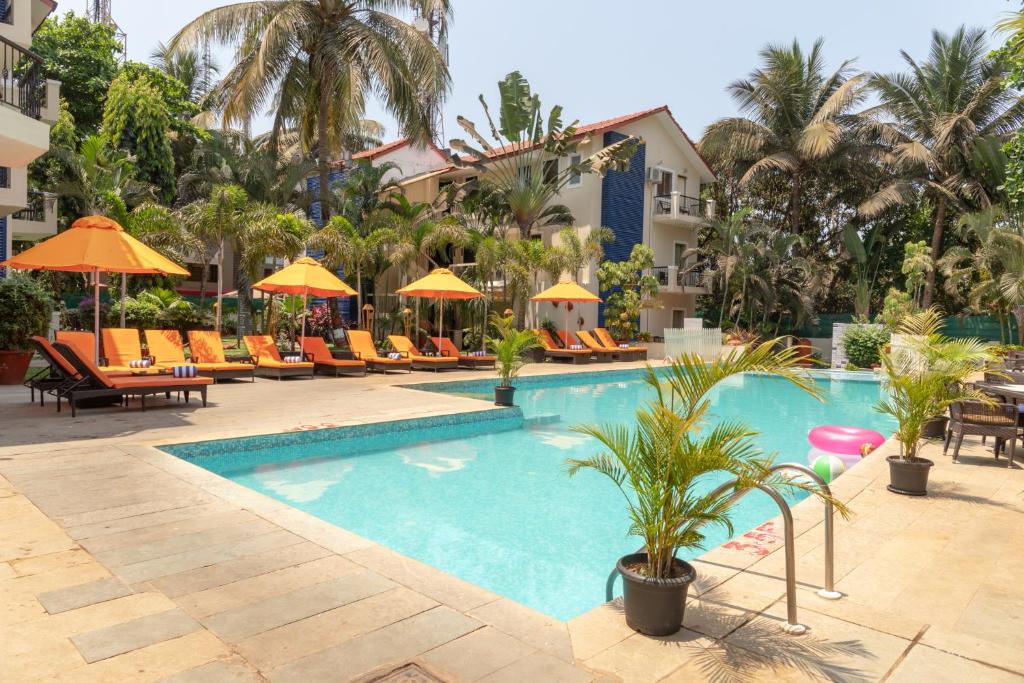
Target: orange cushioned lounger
[316, 348]
[121, 346]
[59, 375]
[404, 345]
[166, 348]
[447, 348]
[600, 353]
[97, 383]
[361, 344]
[605, 338]
[552, 351]
[84, 343]
[268, 359]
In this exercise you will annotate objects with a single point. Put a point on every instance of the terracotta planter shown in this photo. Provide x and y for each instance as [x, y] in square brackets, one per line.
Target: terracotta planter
[13, 366]
[909, 477]
[654, 607]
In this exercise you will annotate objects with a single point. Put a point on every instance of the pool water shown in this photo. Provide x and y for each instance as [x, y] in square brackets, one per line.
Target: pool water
[490, 501]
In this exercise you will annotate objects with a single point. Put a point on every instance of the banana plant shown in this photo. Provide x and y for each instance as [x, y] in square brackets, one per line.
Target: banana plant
[861, 250]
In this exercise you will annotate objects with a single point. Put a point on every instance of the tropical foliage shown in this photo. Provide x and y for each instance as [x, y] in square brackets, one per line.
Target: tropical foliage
[510, 347]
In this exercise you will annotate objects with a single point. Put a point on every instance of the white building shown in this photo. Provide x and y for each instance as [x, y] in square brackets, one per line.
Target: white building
[29, 104]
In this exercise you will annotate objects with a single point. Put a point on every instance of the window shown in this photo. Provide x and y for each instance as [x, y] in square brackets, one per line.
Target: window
[664, 186]
[551, 171]
[195, 272]
[678, 315]
[681, 184]
[679, 254]
[575, 177]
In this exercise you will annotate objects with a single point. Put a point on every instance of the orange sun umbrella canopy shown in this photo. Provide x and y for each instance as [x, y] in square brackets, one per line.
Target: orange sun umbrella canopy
[440, 284]
[305, 276]
[566, 290]
[94, 243]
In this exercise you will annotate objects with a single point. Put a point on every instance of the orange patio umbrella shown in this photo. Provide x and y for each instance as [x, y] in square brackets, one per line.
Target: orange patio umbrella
[440, 284]
[95, 244]
[305, 276]
[567, 291]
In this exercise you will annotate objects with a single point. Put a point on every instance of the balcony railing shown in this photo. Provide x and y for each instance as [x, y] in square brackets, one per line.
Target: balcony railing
[676, 276]
[6, 11]
[22, 84]
[35, 211]
[677, 205]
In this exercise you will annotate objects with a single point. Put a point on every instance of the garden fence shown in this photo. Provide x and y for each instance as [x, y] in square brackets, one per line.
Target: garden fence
[706, 343]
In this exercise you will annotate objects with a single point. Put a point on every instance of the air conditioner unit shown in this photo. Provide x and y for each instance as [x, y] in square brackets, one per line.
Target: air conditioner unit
[654, 174]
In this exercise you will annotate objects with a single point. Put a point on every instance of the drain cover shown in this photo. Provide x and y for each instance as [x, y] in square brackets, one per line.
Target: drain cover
[410, 673]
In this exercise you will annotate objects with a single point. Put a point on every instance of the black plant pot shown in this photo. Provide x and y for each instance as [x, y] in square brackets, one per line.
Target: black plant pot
[934, 428]
[654, 607]
[504, 396]
[909, 477]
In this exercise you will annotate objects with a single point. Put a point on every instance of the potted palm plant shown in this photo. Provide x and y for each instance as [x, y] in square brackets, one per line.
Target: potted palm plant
[25, 309]
[509, 347]
[923, 377]
[662, 466]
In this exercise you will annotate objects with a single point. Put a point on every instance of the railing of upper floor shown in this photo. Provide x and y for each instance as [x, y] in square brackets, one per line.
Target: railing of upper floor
[678, 205]
[680, 276]
[22, 84]
[35, 211]
[6, 11]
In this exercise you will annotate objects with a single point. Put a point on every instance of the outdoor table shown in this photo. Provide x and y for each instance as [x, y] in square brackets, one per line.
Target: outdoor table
[1011, 392]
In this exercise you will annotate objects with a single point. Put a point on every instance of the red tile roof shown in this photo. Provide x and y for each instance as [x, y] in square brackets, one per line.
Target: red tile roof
[611, 124]
[375, 152]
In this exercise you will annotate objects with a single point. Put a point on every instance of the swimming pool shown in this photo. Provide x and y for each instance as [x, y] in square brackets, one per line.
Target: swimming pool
[485, 496]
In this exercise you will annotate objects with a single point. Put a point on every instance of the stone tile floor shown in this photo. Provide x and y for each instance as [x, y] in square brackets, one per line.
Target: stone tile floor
[119, 562]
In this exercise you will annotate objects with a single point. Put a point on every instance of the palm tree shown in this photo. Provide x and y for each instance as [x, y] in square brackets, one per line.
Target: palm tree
[363, 189]
[101, 178]
[797, 119]
[932, 117]
[726, 237]
[345, 247]
[220, 219]
[316, 61]
[578, 254]
[196, 71]
[518, 173]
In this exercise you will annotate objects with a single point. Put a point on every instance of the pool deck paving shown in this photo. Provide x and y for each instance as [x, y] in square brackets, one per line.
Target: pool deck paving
[120, 562]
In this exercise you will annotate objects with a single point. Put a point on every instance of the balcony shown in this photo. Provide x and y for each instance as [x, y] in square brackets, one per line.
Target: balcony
[27, 100]
[689, 279]
[36, 221]
[681, 209]
[19, 19]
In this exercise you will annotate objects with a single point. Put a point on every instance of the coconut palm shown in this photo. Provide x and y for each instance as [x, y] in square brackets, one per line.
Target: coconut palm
[101, 178]
[577, 253]
[932, 117]
[726, 234]
[796, 119]
[315, 62]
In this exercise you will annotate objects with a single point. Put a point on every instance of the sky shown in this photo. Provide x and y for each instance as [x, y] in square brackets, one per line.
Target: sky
[605, 58]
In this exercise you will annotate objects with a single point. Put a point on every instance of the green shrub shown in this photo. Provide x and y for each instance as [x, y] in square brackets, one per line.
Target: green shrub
[863, 344]
[138, 313]
[25, 309]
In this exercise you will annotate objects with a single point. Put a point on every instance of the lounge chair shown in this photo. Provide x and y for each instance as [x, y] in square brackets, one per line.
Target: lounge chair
[316, 349]
[603, 336]
[121, 347]
[95, 383]
[363, 348]
[167, 350]
[82, 342]
[446, 347]
[998, 420]
[269, 363]
[58, 375]
[552, 351]
[600, 352]
[404, 345]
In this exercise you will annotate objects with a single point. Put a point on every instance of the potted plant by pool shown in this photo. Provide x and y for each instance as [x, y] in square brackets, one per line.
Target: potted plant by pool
[25, 309]
[923, 377]
[509, 347]
[663, 466]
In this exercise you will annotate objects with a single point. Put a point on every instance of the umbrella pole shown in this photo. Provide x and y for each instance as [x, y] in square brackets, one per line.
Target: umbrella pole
[302, 339]
[96, 312]
[440, 322]
[124, 293]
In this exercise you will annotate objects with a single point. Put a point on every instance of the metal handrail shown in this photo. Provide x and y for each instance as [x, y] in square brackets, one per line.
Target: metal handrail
[792, 626]
[21, 78]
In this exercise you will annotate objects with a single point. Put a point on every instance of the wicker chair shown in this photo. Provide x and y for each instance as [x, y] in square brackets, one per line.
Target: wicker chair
[998, 420]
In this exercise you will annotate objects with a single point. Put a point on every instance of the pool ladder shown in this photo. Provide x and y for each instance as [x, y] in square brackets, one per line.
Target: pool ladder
[792, 625]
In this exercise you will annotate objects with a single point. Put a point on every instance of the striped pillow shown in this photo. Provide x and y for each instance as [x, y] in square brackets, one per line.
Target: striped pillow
[142, 363]
[576, 347]
[394, 355]
[292, 359]
[185, 371]
[623, 346]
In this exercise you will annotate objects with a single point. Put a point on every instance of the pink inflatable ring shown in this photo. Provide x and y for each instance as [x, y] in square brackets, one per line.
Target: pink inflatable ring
[844, 440]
